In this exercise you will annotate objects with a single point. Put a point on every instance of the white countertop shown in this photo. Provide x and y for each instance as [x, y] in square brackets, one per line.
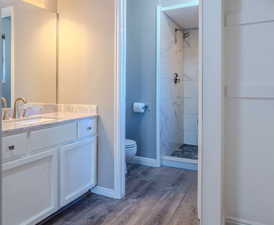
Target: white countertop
[12, 127]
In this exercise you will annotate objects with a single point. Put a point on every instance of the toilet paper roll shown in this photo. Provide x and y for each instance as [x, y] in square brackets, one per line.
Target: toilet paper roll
[139, 107]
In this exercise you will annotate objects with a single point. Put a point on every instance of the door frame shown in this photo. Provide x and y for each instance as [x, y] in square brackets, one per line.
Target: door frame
[211, 165]
[119, 98]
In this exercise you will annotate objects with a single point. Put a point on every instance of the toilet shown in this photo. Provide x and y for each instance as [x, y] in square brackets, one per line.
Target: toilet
[130, 151]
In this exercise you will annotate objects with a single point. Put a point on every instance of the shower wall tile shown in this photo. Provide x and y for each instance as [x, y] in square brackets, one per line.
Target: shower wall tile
[191, 90]
[191, 138]
[193, 41]
[191, 71]
[190, 123]
[190, 107]
[171, 94]
[178, 103]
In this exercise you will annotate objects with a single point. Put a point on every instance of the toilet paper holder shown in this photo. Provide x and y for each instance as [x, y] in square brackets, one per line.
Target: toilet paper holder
[139, 107]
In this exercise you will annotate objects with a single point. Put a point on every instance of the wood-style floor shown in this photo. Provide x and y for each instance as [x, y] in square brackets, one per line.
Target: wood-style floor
[155, 196]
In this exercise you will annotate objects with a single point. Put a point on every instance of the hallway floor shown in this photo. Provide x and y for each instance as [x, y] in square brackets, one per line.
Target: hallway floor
[155, 196]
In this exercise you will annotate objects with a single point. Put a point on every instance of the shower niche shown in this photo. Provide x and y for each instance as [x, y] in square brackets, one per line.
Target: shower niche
[178, 82]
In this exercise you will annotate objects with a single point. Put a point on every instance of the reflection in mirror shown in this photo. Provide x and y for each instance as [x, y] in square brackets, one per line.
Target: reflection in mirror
[29, 54]
[6, 59]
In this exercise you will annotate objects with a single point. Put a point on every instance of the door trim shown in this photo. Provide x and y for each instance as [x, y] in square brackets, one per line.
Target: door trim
[211, 210]
[119, 98]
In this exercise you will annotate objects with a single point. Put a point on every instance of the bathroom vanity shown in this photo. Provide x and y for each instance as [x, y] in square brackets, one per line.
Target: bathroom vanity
[49, 150]
[49, 160]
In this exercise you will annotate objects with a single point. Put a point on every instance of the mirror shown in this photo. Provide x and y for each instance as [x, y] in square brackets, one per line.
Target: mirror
[29, 54]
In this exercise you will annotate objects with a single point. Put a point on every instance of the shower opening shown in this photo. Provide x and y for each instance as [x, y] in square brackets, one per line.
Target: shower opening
[178, 85]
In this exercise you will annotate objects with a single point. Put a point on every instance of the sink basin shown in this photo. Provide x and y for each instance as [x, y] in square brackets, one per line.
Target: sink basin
[30, 121]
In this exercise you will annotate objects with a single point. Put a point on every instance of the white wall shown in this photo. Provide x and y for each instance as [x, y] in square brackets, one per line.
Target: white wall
[5, 3]
[50, 5]
[86, 68]
[249, 155]
[171, 94]
[173, 2]
[190, 86]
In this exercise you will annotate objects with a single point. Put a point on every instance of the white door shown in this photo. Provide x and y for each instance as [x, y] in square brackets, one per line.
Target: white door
[77, 169]
[30, 189]
[249, 111]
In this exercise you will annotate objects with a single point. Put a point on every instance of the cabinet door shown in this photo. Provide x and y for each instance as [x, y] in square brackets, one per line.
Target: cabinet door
[77, 169]
[30, 189]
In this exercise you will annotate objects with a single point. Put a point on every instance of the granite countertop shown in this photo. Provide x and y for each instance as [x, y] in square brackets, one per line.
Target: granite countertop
[11, 127]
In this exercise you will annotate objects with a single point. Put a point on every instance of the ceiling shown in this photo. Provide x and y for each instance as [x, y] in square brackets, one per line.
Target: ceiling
[187, 17]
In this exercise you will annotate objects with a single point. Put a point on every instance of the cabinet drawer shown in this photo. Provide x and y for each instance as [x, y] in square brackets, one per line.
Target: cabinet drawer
[48, 137]
[87, 127]
[14, 146]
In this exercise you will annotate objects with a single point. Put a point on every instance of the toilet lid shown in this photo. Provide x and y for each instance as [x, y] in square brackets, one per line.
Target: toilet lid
[130, 143]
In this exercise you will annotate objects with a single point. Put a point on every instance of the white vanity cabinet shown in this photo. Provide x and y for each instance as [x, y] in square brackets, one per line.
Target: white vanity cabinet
[46, 169]
[77, 173]
[30, 189]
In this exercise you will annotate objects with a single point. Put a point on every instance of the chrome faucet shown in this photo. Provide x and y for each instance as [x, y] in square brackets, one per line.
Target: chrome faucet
[15, 106]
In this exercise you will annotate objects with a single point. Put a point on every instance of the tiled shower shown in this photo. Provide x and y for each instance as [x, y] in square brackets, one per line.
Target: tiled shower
[178, 79]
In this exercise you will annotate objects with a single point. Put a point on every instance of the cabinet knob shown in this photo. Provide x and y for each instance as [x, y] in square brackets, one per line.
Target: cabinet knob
[89, 128]
[11, 147]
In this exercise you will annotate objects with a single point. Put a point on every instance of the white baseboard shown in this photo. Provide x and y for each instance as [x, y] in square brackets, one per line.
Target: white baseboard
[107, 192]
[186, 164]
[237, 221]
[145, 161]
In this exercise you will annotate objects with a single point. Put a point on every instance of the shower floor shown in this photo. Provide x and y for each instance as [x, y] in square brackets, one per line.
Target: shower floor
[186, 151]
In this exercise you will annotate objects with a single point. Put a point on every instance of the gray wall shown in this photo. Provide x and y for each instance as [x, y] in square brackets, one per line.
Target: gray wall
[141, 74]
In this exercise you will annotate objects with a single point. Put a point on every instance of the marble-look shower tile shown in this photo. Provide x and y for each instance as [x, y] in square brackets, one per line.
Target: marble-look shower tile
[191, 123]
[190, 138]
[191, 90]
[191, 69]
[190, 106]
[193, 40]
[171, 101]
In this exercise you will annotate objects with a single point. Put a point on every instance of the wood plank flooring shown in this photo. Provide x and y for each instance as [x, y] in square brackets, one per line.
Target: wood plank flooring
[155, 196]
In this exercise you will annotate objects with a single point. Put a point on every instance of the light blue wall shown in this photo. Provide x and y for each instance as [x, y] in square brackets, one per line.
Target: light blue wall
[141, 74]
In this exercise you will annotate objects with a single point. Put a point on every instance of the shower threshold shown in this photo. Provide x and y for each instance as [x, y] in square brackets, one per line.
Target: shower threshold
[181, 163]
